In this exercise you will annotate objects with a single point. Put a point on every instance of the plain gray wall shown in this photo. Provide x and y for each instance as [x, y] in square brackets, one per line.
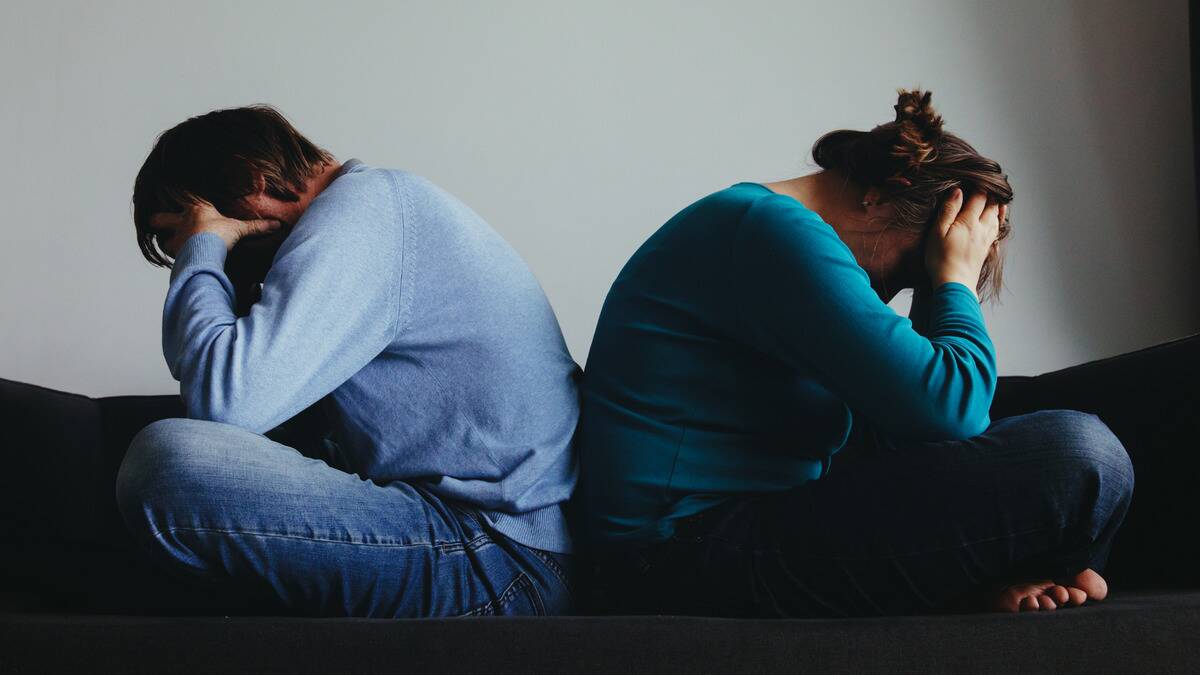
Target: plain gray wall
[576, 129]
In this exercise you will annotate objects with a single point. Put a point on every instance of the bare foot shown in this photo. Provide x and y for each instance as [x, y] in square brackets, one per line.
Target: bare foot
[1032, 596]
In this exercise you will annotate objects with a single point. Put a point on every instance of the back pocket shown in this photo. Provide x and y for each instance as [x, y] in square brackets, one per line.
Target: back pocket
[520, 598]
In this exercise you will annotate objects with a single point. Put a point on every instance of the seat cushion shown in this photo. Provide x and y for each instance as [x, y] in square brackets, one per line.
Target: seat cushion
[1145, 631]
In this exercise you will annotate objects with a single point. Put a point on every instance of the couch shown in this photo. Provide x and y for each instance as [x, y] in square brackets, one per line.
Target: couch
[77, 595]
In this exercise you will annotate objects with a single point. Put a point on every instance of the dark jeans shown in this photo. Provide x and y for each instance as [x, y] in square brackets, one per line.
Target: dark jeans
[902, 527]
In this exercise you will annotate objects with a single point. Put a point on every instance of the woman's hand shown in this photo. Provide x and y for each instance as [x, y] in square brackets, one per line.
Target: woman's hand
[962, 239]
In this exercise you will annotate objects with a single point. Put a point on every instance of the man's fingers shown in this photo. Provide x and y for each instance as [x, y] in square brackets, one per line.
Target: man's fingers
[204, 208]
[261, 226]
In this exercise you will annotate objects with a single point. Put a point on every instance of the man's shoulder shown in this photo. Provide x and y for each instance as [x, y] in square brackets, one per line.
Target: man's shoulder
[358, 178]
[362, 199]
[362, 176]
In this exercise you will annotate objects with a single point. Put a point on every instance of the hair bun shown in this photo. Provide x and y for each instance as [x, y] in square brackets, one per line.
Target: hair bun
[918, 128]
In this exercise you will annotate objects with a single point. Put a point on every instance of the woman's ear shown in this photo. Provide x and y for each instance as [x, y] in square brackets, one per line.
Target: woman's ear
[875, 211]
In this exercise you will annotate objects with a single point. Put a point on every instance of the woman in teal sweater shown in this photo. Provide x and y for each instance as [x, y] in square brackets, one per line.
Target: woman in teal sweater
[762, 435]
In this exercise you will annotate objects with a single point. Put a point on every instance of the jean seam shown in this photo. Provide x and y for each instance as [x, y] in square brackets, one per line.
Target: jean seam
[536, 599]
[477, 543]
[559, 573]
[443, 546]
[171, 530]
[551, 563]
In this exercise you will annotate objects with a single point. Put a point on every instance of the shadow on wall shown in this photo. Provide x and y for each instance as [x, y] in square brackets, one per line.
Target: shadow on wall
[1114, 77]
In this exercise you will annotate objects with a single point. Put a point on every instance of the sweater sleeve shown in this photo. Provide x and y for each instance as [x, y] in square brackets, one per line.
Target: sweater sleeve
[330, 304]
[805, 299]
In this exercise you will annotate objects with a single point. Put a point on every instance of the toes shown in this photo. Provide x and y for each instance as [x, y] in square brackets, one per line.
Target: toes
[1029, 603]
[1078, 596]
[1091, 583]
[1060, 594]
[1047, 602]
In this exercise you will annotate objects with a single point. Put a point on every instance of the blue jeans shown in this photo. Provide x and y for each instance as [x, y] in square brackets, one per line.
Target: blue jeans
[227, 507]
[895, 527]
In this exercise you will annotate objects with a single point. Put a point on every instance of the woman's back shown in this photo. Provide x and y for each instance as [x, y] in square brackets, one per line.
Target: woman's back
[730, 351]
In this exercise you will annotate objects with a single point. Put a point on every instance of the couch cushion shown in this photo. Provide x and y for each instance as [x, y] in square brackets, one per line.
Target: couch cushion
[1146, 631]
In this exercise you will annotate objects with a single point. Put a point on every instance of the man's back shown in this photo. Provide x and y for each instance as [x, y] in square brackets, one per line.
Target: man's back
[444, 359]
[476, 395]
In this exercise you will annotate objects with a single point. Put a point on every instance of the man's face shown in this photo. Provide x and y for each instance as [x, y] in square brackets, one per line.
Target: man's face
[248, 261]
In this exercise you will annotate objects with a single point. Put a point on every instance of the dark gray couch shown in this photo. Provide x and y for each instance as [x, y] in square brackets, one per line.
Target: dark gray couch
[75, 594]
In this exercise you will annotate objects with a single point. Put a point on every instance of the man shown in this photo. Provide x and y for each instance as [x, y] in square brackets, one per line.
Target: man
[299, 283]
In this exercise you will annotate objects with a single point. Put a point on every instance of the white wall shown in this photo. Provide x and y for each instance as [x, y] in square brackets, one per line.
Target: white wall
[576, 129]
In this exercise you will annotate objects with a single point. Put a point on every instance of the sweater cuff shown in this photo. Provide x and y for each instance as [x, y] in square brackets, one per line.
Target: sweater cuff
[204, 248]
[957, 287]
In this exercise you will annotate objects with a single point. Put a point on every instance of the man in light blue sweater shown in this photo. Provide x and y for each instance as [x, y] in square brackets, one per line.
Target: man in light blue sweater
[301, 284]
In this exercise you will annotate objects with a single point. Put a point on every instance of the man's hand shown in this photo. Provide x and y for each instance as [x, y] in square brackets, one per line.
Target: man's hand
[176, 228]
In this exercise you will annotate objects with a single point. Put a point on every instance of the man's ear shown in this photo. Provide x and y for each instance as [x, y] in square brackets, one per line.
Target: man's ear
[263, 191]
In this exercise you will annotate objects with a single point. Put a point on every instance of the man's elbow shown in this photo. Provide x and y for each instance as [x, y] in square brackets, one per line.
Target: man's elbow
[199, 408]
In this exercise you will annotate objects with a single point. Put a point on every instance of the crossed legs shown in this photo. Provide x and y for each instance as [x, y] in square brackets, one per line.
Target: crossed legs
[222, 505]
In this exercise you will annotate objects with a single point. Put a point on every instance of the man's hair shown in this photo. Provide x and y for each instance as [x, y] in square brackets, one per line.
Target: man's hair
[218, 157]
[916, 165]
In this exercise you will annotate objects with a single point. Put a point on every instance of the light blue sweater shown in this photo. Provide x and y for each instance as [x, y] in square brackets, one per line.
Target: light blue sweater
[445, 362]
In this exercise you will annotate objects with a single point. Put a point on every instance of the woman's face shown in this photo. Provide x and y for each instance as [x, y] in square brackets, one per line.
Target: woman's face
[894, 259]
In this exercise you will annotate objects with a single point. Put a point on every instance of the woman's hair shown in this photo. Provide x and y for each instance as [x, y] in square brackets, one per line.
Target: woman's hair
[916, 165]
[218, 157]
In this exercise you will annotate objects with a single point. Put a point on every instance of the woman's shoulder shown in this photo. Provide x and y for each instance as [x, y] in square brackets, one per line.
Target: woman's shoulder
[729, 204]
[744, 194]
[761, 200]
[773, 219]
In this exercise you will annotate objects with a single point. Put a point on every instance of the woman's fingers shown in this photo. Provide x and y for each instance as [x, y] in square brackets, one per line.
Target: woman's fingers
[950, 209]
[973, 207]
[991, 218]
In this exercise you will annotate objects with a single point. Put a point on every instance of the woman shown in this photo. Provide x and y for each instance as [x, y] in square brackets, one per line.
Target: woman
[762, 435]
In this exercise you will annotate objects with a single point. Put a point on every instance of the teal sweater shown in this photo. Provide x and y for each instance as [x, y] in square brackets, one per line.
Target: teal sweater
[733, 351]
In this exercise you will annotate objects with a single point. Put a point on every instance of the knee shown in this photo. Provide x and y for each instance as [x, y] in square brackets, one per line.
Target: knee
[166, 460]
[1093, 454]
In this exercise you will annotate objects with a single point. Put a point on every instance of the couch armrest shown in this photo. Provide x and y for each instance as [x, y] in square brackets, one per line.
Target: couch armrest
[1149, 399]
